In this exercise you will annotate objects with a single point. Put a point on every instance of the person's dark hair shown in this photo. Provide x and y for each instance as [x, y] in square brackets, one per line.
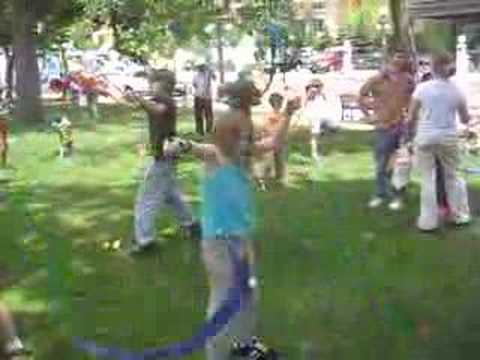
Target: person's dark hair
[275, 98]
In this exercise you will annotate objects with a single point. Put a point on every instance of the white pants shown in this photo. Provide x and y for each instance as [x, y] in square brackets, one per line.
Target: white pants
[242, 327]
[321, 124]
[456, 188]
[158, 190]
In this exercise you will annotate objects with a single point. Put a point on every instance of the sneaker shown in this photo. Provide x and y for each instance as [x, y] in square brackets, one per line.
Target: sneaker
[193, 231]
[427, 230]
[137, 249]
[375, 202]
[396, 205]
[15, 348]
[461, 220]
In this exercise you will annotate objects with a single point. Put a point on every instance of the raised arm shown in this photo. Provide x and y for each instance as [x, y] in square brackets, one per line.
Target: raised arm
[149, 106]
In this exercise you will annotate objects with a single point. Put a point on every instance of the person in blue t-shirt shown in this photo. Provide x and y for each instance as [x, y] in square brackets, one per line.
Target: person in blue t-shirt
[227, 218]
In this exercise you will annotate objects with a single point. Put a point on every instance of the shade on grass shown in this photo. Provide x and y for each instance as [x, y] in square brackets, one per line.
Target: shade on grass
[337, 281]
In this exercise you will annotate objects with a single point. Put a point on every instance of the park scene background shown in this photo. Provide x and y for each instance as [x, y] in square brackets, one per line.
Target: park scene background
[337, 280]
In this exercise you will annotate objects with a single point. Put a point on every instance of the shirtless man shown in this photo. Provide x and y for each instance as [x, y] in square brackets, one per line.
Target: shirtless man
[242, 95]
[160, 187]
[388, 95]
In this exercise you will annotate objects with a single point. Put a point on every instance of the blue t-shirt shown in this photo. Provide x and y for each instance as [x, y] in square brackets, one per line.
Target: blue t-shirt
[227, 202]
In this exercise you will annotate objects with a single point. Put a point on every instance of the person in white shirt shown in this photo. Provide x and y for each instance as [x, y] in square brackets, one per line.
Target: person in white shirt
[202, 85]
[322, 110]
[433, 112]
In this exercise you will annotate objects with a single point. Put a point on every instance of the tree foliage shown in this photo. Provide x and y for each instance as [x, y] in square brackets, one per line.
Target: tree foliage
[141, 27]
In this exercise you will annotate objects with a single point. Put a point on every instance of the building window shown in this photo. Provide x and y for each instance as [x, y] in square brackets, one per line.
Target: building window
[318, 5]
[317, 25]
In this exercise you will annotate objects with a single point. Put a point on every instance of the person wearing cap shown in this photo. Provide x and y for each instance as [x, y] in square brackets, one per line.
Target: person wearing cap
[433, 114]
[202, 101]
[322, 111]
[160, 186]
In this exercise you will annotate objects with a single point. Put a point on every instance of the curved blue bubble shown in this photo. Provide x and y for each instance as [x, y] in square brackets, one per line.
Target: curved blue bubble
[237, 296]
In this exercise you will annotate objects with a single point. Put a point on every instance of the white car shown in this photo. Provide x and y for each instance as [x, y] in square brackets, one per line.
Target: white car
[125, 77]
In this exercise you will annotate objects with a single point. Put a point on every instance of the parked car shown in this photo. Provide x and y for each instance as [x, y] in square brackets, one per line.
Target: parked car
[137, 82]
[125, 74]
[367, 58]
[330, 59]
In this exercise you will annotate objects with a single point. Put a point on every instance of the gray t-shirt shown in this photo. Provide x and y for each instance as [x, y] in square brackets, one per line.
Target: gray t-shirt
[440, 101]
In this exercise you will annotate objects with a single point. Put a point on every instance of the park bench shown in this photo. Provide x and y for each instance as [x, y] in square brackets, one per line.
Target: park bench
[349, 106]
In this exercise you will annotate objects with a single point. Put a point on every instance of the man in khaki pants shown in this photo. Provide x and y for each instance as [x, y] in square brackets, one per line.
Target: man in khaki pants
[435, 104]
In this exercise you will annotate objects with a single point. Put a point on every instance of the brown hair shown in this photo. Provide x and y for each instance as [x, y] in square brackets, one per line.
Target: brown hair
[441, 64]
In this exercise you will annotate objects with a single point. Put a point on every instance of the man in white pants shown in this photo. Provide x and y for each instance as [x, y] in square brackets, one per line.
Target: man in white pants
[160, 187]
[436, 103]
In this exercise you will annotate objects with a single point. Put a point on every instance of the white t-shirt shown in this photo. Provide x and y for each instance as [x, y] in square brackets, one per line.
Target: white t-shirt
[322, 109]
[202, 83]
[440, 101]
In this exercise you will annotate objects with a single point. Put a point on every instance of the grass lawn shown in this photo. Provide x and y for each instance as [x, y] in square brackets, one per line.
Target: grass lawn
[337, 281]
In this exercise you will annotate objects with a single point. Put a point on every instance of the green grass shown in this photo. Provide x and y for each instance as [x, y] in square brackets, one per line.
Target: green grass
[337, 281]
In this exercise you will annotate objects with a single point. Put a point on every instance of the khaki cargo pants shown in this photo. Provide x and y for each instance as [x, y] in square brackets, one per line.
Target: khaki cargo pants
[447, 153]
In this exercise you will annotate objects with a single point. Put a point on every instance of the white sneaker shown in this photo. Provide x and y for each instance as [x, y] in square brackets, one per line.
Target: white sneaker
[375, 202]
[15, 348]
[460, 220]
[396, 205]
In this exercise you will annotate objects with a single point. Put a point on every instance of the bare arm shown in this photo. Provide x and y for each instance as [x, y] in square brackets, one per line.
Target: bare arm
[463, 112]
[365, 92]
[412, 116]
[149, 106]
[207, 152]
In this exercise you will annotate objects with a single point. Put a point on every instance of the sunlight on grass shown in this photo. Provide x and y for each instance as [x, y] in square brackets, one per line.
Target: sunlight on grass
[19, 300]
[338, 281]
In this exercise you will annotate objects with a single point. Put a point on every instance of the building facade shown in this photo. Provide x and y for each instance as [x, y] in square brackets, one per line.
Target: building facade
[313, 16]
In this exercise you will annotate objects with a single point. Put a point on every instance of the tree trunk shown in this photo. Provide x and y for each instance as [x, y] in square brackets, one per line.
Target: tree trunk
[65, 69]
[9, 72]
[395, 8]
[27, 84]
